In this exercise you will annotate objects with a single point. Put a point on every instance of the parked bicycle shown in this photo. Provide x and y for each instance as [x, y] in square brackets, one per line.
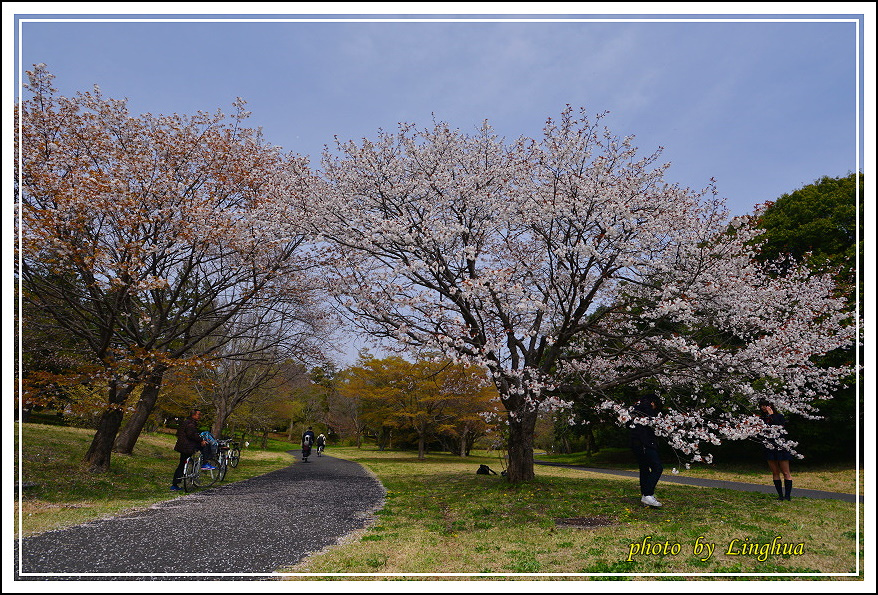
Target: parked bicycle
[234, 453]
[199, 472]
[228, 455]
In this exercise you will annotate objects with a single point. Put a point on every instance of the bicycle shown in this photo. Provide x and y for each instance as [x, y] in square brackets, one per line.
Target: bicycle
[195, 477]
[227, 455]
[234, 453]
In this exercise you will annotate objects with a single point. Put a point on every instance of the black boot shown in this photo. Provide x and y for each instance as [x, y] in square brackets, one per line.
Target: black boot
[788, 488]
[777, 486]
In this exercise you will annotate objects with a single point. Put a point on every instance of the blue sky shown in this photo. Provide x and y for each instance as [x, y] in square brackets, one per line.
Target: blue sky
[763, 107]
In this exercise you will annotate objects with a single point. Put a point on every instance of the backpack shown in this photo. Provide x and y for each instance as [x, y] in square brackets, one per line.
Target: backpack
[209, 437]
[485, 470]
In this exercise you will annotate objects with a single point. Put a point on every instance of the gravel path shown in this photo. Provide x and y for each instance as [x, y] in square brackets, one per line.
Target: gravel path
[268, 522]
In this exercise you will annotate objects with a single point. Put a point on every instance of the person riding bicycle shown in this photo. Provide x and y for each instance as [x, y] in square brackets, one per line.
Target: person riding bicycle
[307, 441]
[188, 442]
[320, 443]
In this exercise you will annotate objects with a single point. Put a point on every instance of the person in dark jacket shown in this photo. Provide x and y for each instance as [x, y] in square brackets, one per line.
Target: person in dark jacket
[645, 447]
[778, 458]
[307, 443]
[189, 441]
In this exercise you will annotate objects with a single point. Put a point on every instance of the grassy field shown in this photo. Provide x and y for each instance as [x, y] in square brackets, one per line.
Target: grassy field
[830, 477]
[440, 518]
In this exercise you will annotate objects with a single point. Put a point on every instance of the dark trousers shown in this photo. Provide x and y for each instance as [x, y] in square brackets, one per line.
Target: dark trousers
[650, 468]
[178, 472]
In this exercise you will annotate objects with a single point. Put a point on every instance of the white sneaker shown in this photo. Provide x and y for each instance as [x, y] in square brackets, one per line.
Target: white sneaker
[650, 501]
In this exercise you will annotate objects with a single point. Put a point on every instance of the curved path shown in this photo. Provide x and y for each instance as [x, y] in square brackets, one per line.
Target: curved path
[269, 522]
[767, 488]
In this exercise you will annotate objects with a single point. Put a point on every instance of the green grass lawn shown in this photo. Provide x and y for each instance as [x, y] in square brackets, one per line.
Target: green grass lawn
[831, 477]
[440, 518]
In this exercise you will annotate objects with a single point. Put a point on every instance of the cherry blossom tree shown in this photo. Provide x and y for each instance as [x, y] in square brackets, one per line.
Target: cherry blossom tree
[137, 234]
[566, 267]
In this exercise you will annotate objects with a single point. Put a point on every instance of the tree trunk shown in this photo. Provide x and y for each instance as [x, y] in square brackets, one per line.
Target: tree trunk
[97, 458]
[463, 449]
[422, 439]
[590, 446]
[520, 447]
[127, 438]
[219, 421]
[470, 442]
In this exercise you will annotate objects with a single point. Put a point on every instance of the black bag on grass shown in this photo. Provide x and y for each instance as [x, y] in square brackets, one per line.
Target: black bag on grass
[485, 470]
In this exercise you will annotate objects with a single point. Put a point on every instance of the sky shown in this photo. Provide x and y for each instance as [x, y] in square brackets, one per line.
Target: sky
[762, 107]
[762, 103]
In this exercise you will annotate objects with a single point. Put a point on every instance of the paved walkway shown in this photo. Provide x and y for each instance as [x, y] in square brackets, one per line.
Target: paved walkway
[251, 527]
[767, 488]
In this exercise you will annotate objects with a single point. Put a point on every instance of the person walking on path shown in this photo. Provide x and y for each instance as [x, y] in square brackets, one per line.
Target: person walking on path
[188, 442]
[778, 458]
[321, 444]
[645, 448]
[307, 442]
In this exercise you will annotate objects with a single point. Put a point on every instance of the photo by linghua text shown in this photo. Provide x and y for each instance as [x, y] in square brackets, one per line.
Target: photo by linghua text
[704, 550]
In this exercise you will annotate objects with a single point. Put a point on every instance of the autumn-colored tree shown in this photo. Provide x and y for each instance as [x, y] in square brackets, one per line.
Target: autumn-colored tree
[137, 235]
[371, 387]
[421, 405]
[470, 398]
[180, 393]
[426, 398]
[259, 417]
[570, 258]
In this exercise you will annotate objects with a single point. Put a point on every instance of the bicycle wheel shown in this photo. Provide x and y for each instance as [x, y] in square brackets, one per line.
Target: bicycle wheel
[208, 477]
[234, 457]
[191, 470]
[223, 466]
